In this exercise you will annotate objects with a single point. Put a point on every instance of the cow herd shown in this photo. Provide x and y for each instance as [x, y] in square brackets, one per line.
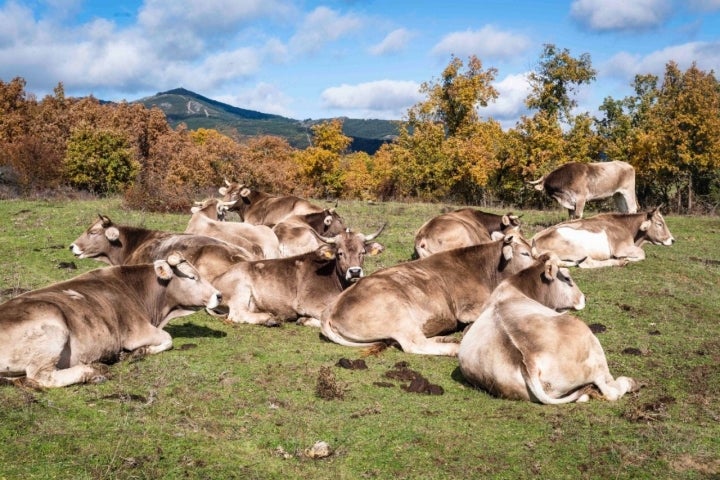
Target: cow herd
[288, 259]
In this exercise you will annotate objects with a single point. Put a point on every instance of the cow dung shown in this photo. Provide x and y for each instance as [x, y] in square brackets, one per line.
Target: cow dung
[358, 364]
[418, 383]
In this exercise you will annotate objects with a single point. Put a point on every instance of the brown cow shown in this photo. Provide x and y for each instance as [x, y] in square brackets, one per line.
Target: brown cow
[574, 183]
[521, 348]
[429, 297]
[271, 291]
[54, 334]
[207, 219]
[262, 208]
[125, 245]
[460, 228]
[297, 234]
[606, 239]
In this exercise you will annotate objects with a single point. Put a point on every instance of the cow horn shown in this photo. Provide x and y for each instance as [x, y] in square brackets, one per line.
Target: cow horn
[328, 240]
[372, 236]
[106, 222]
[227, 183]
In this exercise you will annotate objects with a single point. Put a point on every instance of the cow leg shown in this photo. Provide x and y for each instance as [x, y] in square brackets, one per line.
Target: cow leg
[419, 343]
[49, 376]
[149, 341]
[610, 262]
[309, 322]
[255, 318]
[579, 208]
[630, 254]
[613, 389]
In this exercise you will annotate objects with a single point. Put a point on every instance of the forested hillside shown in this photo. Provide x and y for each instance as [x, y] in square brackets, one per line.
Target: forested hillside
[445, 150]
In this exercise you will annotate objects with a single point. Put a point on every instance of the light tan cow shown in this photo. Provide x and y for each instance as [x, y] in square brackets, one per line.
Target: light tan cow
[296, 288]
[126, 245]
[416, 303]
[261, 208]
[52, 335]
[460, 228]
[522, 348]
[573, 184]
[607, 239]
[208, 219]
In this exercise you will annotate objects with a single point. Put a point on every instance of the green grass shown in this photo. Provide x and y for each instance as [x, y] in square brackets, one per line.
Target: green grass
[229, 400]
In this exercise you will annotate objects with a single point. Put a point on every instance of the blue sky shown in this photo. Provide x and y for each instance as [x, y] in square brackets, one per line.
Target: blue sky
[353, 58]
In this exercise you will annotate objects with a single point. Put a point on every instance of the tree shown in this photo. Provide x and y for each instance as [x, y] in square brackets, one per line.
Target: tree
[99, 161]
[320, 163]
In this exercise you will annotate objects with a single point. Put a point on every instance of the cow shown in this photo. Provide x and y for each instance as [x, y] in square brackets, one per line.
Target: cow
[575, 183]
[300, 287]
[460, 228]
[261, 208]
[53, 335]
[524, 346]
[607, 239]
[298, 234]
[207, 219]
[416, 302]
[125, 245]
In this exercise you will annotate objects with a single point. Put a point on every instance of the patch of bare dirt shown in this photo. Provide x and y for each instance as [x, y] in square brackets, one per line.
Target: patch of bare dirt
[654, 411]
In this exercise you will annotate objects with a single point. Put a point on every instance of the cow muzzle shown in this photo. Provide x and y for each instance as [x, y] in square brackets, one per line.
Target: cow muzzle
[354, 274]
[215, 301]
[77, 251]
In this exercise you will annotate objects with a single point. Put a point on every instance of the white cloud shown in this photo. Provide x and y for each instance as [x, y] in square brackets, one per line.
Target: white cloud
[706, 55]
[704, 5]
[609, 15]
[264, 97]
[384, 98]
[486, 42]
[510, 104]
[394, 42]
[321, 26]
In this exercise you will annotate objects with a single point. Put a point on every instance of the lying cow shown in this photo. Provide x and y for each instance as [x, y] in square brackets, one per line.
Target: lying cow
[298, 234]
[125, 245]
[429, 297]
[460, 228]
[207, 219]
[608, 239]
[521, 348]
[271, 291]
[574, 183]
[54, 334]
[262, 208]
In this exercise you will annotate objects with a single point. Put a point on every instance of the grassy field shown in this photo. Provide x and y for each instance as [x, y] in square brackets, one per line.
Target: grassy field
[242, 401]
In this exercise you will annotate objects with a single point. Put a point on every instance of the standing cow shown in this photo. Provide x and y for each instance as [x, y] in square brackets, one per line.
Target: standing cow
[521, 348]
[271, 291]
[574, 183]
[54, 334]
[415, 303]
[607, 239]
[460, 228]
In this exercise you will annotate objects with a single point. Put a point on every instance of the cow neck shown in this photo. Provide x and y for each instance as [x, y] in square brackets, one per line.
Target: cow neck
[483, 256]
[330, 271]
[635, 220]
[131, 239]
[148, 290]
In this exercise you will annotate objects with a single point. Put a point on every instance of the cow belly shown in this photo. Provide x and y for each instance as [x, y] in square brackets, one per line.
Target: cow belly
[581, 243]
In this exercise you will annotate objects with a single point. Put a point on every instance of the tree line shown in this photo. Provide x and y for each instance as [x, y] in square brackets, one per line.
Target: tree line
[446, 150]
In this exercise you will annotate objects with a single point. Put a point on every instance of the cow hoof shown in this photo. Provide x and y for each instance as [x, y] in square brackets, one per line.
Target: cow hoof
[96, 379]
[272, 323]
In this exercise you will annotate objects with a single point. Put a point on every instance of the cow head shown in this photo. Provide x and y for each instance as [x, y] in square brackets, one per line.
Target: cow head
[655, 230]
[212, 208]
[546, 282]
[97, 241]
[327, 223]
[510, 220]
[234, 192]
[350, 249]
[186, 290]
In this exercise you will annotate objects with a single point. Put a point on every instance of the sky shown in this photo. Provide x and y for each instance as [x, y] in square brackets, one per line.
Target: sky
[342, 58]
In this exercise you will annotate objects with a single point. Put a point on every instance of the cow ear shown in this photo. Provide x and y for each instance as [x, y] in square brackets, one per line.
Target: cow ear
[534, 250]
[645, 225]
[375, 248]
[328, 220]
[326, 252]
[496, 236]
[223, 190]
[551, 270]
[195, 209]
[245, 192]
[163, 270]
[505, 220]
[112, 234]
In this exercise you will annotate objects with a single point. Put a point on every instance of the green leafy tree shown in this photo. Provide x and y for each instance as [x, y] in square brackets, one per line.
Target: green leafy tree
[99, 161]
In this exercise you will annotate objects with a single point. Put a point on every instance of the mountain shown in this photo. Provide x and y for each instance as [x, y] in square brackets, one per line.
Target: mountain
[195, 111]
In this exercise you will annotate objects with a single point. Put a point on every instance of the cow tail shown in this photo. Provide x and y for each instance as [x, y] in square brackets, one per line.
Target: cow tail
[332, 334]
[532, 380]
